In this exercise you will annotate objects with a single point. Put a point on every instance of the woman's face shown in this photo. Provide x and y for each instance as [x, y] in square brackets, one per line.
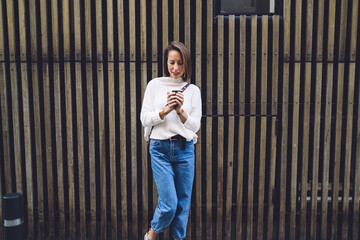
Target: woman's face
[175, 64]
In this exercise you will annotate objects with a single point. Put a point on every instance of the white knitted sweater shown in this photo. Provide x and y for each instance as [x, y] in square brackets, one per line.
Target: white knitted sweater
[155, 99]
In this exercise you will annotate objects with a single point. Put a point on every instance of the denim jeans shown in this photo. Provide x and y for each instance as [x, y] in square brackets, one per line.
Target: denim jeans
[173, 170]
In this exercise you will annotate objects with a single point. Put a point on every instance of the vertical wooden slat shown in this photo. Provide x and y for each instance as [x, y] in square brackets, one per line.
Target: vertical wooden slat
[144, 165]
[250, 213]
[209, 126]
[103, 160]
[134, 173]
[305, 155]
[209, 184]
[354, 27]
[229, 178]
[338, 157]
[286, 28]
[309, 28]
[28, 156]
[80, 148]
[294, 150]
[220, 173]
[264, 63]
[111, 99]
[284, 140]
[90, 117]
[88, 53]
[264, 76]
[176, 19]
[296, 109]
[343, 26]
[91, 140]
[55, 30]
[110, 30]
[120, 11]
[165, 24]
[154, 38]
[242, 63]
[261, 197]
[187, 23]
[230, 157]
[38, 145]
[43, 29]
[198, 78]
[59, 150]
[231, 63]
[272, 174]
[357, 179]
[331, 30]
[275, 65]
[48, 145]
[16, 126]
[320, 30]
[347, 162]
[144, 154]
[70, 150]
[316, 147]
[22, 30]
[239, 193]
[77, 29]
[250, 201]
[99, 31]
[112, 149]
[326, 154]
[66, 29]
[132, 33]
[209, 58]
[154, 72]
[11, 29]
[32, 13]
[143, 29]
[253, 64]
[297, 40]
[2, 54]
[46, 94]
[123, 165]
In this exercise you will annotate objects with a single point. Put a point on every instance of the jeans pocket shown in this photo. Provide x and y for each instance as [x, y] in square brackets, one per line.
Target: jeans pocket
[154, 142]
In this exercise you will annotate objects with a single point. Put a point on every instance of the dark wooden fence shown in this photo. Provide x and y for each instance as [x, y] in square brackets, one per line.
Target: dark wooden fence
[279, 148]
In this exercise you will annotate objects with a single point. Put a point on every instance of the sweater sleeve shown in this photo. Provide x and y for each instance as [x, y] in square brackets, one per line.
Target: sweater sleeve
[149, 116]
[193, 121]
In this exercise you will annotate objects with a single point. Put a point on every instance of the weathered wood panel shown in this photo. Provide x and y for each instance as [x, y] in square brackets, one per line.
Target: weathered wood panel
[278, 151]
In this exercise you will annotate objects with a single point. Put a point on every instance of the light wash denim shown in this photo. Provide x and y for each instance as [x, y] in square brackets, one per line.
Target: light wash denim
[173, 170]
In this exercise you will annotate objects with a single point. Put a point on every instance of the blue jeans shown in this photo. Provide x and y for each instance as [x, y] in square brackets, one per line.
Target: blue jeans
[173, 170]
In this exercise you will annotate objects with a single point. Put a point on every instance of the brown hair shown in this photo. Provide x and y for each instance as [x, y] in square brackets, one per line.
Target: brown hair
[185, 56]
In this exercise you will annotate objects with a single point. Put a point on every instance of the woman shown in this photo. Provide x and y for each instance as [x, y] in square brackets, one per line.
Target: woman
[174, 119]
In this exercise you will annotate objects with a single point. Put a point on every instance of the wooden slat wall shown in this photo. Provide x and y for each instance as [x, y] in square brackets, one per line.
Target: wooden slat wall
[279, 149]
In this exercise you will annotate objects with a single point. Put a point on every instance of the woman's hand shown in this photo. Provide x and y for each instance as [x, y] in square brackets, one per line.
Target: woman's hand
[175, 101]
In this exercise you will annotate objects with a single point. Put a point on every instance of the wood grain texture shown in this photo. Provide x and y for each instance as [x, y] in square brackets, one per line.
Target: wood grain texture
[316, 152]
[347, 165]
[240, 179]
[2, 45]
[59, 150]
[123, 162]
[326, 153]
[70, 150]
[80, 149]
[112, 149]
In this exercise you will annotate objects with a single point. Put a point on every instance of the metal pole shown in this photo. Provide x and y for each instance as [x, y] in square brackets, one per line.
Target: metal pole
[13, 216]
